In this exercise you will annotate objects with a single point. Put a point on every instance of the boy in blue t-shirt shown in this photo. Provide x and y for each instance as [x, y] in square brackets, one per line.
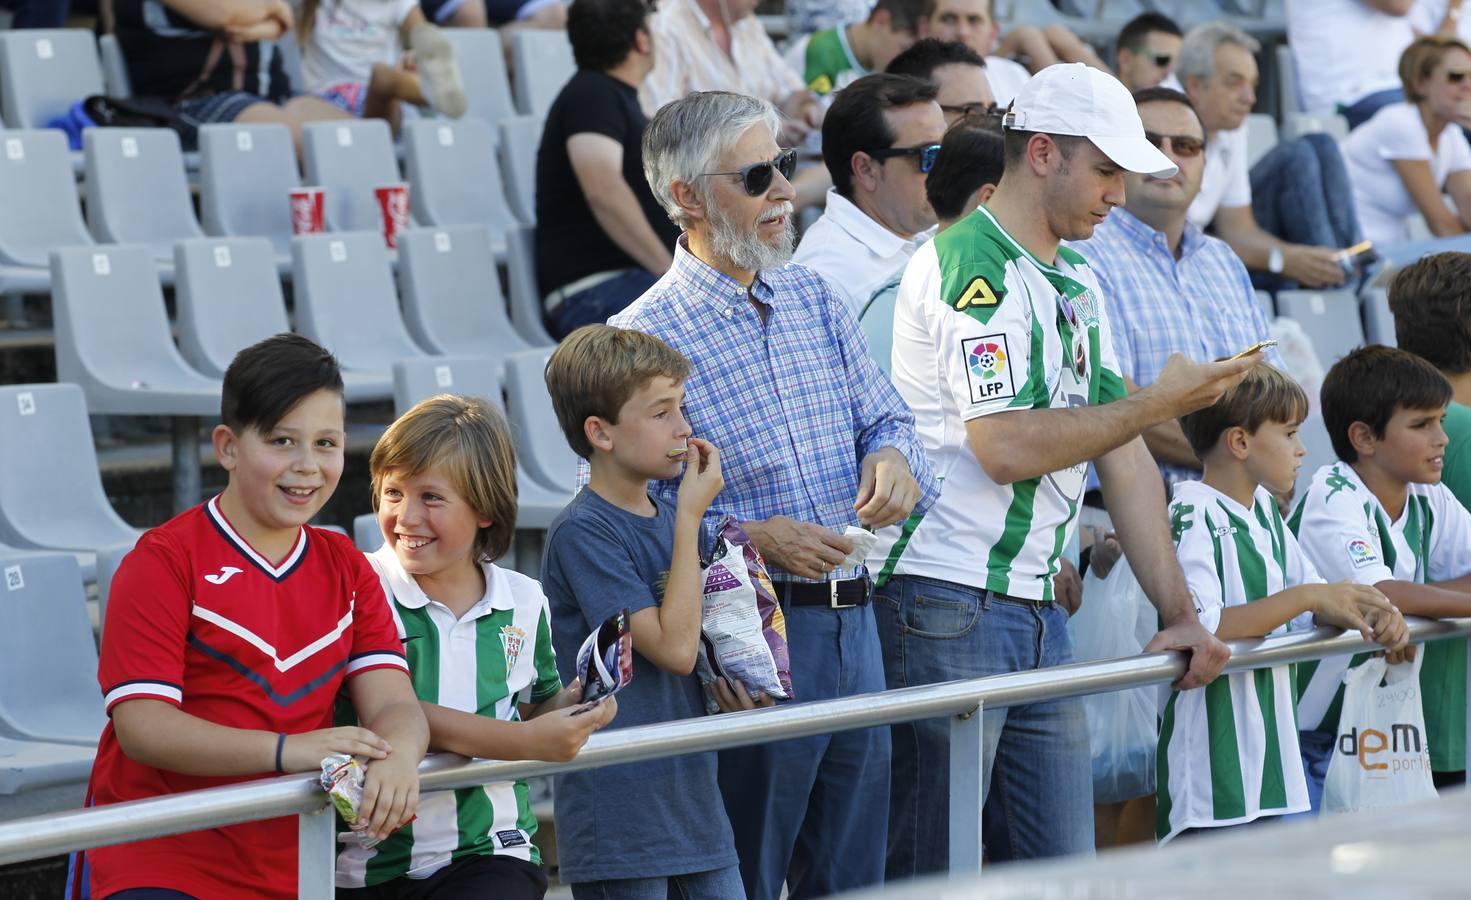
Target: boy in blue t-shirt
[651, 829]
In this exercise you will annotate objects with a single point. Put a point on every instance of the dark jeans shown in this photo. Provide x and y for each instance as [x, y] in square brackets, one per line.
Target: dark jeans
[597, 304]
[501, 877]
[37, 13]
[1300, 193]
[1364, 110]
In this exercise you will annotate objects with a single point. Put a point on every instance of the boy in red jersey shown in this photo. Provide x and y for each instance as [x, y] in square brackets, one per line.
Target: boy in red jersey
[230, 630]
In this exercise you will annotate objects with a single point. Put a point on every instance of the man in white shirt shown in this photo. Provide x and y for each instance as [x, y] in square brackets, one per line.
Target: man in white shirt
[1347, 53]
[1288, 216]
[970, 23]
[879, 140]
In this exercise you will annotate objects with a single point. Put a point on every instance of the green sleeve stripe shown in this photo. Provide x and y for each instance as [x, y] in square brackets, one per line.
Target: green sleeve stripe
[548, 680]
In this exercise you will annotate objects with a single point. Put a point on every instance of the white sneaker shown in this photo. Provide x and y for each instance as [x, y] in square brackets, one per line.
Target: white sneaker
[439, 73]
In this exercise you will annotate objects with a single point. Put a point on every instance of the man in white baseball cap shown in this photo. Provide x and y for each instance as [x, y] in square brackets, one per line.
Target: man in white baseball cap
[1003, 351]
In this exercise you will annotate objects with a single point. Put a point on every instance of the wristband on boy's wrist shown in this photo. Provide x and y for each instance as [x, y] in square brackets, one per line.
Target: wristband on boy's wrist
[280, 745]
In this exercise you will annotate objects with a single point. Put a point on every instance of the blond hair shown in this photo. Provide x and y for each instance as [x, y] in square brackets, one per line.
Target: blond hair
[1265, 395]
[468, 438]
[597, 368]
[1421, 58]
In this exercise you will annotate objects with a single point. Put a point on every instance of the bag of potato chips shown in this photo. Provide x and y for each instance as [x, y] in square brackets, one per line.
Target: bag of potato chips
[743, 632]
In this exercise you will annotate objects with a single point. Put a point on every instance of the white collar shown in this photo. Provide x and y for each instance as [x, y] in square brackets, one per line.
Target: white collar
[879, 240]
[406, 590]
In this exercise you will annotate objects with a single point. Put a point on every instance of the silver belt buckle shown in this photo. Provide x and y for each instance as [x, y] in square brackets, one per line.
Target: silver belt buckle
[832, 597]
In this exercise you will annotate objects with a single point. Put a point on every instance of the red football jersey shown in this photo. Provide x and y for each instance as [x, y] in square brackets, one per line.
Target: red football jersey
[199, 619]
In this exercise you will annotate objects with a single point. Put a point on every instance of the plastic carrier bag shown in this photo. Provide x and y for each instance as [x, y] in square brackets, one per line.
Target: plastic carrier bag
[743, 634]
[1380, 755]
[1115, 620]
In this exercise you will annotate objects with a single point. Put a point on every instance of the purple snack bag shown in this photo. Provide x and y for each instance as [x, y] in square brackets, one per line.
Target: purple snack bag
[743, 632]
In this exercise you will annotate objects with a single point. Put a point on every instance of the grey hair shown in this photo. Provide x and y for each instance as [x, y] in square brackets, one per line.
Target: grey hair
[1198, 51]
[687, 138]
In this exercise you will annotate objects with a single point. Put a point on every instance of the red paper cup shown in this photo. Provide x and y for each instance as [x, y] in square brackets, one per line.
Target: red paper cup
[393, 204]
[306, 211]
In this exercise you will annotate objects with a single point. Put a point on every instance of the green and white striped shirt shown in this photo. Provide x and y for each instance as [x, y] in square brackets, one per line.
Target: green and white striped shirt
[490, 661]
[981, 326]
[1348, 535]
[1228, 753]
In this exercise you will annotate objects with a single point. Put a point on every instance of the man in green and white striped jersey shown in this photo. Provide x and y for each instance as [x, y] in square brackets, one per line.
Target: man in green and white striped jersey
[1002, 350]
[1228, 755]
[1381, 516]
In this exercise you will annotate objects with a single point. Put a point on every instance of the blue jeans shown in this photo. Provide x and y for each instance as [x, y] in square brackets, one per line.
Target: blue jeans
[1300, 193]
[1317, 752]
[813, 812]
[1364, 109]
[1036, 757]
[599, 303]
[717, 884]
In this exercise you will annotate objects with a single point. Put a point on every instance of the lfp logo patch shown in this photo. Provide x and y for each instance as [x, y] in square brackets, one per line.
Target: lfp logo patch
[988, 367]
[1361, 553]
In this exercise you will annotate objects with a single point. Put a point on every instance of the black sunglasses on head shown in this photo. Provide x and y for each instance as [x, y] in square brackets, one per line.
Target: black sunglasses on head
[927, 154]
[1183, 144]
[757, 177]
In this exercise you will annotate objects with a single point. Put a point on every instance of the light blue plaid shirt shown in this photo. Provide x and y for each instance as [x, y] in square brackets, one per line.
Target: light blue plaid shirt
[794, 404]
[1202, 305]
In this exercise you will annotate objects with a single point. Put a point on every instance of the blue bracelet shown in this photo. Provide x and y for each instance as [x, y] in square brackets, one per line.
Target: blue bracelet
[280, 745]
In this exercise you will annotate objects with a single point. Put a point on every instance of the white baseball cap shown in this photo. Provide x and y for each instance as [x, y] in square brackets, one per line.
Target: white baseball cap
[1074, 99]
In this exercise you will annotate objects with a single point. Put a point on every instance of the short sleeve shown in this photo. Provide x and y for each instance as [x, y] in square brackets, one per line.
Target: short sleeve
[1458, 150]
[1450, 540]
[148, 608]
[593, 107]
[403, 9]
[989, 347]
[586, 557]
[375, 640]
[1195, 549]
[1333, 530]
[548, 682]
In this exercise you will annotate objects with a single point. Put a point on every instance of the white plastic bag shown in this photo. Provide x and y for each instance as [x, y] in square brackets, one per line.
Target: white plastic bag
[1116, 619]
[1380, 755]
[1299, 356]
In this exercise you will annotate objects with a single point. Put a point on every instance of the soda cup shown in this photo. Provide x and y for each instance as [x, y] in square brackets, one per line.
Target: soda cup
[306, 210]
[393, 204]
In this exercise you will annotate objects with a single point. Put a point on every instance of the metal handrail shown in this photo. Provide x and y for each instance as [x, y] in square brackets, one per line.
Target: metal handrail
[82, 829]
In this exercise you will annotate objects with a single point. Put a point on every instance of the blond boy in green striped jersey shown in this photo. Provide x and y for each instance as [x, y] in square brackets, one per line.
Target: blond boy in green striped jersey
[1228, 754]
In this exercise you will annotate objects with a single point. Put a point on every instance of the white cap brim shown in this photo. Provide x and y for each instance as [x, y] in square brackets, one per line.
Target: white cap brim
[1135, 154]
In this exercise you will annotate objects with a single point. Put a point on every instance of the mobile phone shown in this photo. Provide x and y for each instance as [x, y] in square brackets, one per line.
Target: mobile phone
[1255, 348]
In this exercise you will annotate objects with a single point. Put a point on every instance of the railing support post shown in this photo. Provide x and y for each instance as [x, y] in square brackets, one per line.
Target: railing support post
[967, 791]
[1466, 760]
[317, 854]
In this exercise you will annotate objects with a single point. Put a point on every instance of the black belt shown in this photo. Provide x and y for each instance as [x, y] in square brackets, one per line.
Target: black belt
[845, 594]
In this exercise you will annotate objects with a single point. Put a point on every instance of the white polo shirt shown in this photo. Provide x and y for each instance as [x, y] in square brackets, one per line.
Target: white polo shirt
[1344, 50]
[852, 252]
[1226, 180]
[1006, 77]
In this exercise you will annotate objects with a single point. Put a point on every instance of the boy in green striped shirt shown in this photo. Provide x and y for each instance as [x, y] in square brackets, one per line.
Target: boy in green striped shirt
[1228, 754]
[479, 645]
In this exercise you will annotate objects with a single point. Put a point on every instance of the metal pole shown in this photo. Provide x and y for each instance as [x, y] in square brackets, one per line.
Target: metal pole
[967, 791]
[186, 463]
[317, 854]
[1466, 759]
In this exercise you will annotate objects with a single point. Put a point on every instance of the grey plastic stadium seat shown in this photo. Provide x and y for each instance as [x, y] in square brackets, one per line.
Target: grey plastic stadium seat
[520, 139]
[137, 190]
[483, 72]
[877, 322]
[1319, 447]
[477, 376]
[38, 205]
[452, 293]
[526, 305]
[228, 297]
[366, 535]
[1261, 136]
[1297, 124]
[541, 63]
[114, 67]
[1331, 320]
[51, 495]
[32, 765]
[246, 175]
[539, 440]
[349, 159]
[1288, 98]
[50, 691]
[346, 302]
[1267, 305]
[454, 178]
[44, 71]
[1378, 320]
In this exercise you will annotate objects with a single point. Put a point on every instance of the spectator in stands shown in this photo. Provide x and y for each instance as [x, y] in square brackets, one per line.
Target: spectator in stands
[1000, 339]
[813, 440]
[456, 13]
[1346, 52]
[807, 16]
[879, 140]
[1171, 288]
[601, 237]
[213, 60]
[196, 694]
[832, 59]
[972, 22]
[972, 158]
[957, 71]
[1285, 217]
[352, 55]
[618, 396]
[1146, 50]
[1411, 154]
[444, 489]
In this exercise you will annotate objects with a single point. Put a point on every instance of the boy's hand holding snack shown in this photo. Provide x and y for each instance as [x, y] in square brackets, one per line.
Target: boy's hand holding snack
[701, 480]
[732, 696]
[390, 794]
[558, 731]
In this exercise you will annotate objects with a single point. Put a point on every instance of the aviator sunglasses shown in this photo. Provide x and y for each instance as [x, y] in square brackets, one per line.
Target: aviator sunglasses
[927, 154]
[757, 177]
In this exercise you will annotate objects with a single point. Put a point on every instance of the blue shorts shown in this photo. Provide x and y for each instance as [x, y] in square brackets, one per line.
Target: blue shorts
[346, 95]
[438, 11]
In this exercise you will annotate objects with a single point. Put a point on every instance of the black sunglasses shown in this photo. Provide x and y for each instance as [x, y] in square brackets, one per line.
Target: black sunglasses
[966, 110]
[1183, 144]
[927, 154]
[757, 177]
[1161, 60]
[1456, 76]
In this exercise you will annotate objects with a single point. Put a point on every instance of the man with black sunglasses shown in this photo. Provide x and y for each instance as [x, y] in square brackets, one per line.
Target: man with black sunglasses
[880, 139]
[1146, 50]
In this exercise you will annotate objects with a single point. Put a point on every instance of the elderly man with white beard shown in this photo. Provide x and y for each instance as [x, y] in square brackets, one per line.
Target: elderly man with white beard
[814, 442]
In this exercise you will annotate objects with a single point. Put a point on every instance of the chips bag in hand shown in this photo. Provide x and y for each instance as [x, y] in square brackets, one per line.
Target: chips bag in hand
[743, 634]
[605, 661]
[342, 779]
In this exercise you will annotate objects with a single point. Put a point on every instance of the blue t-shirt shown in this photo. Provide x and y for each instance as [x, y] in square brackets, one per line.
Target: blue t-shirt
[639, 820]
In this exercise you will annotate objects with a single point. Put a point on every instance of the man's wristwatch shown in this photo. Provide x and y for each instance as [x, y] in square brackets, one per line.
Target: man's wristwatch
[1275, 262]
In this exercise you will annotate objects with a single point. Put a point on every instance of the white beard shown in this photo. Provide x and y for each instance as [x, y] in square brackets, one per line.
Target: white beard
[744, 248]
